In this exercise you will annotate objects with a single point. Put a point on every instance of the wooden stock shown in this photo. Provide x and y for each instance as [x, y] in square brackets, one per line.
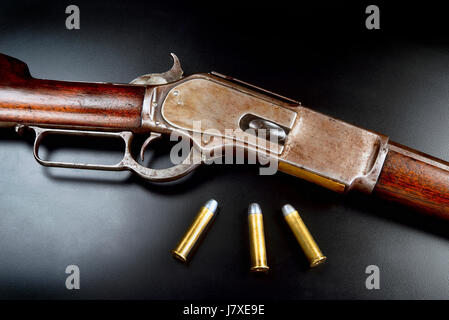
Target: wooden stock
[416, 180]
[24, 99]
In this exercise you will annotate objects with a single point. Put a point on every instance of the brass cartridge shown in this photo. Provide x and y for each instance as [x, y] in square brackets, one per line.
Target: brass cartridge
[257, 239]
[196, 229]
[302, 234]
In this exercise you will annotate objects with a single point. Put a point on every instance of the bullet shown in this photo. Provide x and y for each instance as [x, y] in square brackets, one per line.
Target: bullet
[302, 234]
[196, 229]
[257, 239]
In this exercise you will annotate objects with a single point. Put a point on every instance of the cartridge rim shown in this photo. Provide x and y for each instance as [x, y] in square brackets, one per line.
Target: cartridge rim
[260, 268]
[318, 261]
[178, 256]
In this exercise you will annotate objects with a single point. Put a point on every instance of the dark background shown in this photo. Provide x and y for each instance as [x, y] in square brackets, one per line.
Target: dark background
[119, 229]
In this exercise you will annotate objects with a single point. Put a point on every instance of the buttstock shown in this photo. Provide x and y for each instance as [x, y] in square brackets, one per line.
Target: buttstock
[24, 99]
[12, 69]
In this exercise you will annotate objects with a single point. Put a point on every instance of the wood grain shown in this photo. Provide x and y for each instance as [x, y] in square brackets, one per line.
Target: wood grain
[24, 99]
[416, 180]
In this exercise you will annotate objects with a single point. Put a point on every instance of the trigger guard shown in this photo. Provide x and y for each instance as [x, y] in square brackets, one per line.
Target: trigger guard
[164, 175]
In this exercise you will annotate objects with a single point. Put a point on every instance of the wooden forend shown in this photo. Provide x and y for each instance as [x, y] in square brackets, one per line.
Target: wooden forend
[416, 180]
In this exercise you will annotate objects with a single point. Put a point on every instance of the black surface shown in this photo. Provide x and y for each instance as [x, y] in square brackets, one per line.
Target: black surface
[119, 229]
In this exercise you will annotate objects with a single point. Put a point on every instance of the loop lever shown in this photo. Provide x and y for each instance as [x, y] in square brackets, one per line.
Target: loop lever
[127, 162]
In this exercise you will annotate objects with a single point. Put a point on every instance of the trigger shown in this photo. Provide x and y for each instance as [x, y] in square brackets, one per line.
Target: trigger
[153, 136]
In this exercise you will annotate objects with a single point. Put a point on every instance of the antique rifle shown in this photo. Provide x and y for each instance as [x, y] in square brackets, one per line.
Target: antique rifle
[312, 146]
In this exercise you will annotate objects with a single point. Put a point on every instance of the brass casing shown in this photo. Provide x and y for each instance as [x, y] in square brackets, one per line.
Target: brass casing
[193, 234]
[257, 243]
[305, 239]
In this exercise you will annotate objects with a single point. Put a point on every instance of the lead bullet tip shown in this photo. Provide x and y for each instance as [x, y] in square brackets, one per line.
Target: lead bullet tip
[211, 205]
[287, 209]
[254, 208]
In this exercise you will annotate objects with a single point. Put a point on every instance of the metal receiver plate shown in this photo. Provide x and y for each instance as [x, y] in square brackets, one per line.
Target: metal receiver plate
[335, 150]
[218, 108]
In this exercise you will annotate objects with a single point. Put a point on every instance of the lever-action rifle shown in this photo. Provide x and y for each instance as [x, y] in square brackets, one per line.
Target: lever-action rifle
[310, 145]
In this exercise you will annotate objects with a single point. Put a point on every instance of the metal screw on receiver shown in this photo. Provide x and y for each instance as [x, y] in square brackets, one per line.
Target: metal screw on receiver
[257, 239]
[195, 231]
[302, 234]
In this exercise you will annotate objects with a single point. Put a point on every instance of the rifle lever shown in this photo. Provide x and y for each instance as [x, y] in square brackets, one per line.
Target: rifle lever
[127, 162]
